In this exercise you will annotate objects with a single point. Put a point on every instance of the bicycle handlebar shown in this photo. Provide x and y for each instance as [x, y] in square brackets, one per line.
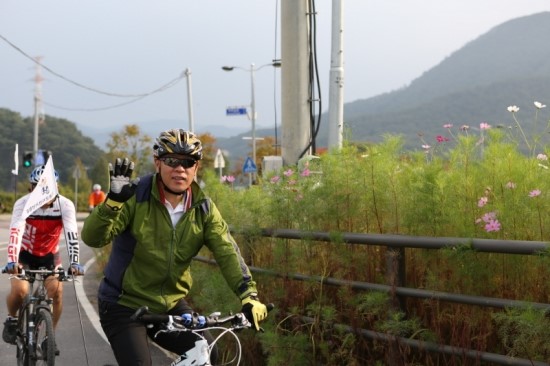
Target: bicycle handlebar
[194, 320]
[30, 274]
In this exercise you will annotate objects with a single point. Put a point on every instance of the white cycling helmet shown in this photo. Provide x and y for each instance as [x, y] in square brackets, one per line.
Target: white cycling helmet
[96, 187]
[34, 178]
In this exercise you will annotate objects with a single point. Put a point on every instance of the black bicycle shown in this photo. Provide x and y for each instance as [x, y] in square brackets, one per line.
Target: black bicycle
[35, 333]
[195, 323]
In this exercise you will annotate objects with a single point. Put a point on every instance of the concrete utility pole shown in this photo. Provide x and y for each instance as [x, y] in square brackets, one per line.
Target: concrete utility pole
[336, 85]
[39, 115]
[296, 132]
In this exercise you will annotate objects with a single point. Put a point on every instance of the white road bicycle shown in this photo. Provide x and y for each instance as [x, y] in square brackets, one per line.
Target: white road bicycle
[200, 354]
[35, 334]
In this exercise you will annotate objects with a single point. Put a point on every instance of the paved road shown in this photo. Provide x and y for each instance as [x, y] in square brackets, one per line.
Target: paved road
[79, 336]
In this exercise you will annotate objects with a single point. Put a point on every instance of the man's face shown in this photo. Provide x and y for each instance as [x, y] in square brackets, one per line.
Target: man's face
[177, 171]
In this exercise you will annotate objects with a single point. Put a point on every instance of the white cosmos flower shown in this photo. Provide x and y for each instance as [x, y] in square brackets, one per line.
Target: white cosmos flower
[539, 105]
[513, 108]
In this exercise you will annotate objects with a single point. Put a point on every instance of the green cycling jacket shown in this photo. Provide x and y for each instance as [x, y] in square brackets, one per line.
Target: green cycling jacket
[150, 259]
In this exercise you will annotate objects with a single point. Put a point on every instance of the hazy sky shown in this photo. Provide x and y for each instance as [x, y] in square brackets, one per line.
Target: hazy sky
[137, 46]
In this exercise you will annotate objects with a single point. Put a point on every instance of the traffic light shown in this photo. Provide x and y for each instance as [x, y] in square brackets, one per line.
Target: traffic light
[27, 159]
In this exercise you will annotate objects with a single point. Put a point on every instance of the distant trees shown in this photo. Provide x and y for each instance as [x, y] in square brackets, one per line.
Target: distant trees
[57, 135]
[134, 145]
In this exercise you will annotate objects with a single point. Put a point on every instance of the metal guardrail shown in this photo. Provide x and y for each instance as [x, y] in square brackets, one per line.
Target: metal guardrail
[396, 265]
[421, 242]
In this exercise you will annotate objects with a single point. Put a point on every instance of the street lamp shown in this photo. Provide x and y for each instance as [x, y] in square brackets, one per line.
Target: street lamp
[252, 70]
[187, 74]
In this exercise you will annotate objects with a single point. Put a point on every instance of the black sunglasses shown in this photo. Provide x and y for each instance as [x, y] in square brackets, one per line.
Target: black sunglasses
[174, 162]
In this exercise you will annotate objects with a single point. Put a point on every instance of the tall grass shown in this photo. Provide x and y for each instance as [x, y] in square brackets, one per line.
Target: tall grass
[491, 184]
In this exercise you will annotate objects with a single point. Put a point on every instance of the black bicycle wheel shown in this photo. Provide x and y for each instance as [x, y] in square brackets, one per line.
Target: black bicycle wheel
[44, 338]
[22, 352]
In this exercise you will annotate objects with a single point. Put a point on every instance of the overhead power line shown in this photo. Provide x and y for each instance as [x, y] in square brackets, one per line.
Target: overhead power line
[92, 109]
[137, 97]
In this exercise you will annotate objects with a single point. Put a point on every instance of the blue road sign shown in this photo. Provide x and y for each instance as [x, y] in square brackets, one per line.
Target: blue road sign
[249, 166]
[235, 111]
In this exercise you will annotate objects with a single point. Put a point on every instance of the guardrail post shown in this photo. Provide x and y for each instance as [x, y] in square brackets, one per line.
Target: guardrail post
[395, 277]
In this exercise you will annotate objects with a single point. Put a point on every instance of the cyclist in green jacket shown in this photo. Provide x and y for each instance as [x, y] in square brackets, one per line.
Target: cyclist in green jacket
[157, 224]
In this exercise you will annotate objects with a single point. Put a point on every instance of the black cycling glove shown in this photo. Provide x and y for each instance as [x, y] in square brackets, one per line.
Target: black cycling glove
[121, 188]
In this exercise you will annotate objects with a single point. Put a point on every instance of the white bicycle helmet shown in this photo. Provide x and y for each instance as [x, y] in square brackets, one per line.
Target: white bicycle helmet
[34, 178]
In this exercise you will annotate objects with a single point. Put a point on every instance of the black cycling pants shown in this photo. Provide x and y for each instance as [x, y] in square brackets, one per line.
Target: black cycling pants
[129, 338]
[35, 262]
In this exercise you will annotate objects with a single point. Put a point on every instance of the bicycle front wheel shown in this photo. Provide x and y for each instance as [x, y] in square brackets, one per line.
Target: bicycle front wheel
[44, 338]
[23, 354]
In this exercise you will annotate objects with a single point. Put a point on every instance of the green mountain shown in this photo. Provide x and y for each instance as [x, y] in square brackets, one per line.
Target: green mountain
[509, 65]
[59, 136]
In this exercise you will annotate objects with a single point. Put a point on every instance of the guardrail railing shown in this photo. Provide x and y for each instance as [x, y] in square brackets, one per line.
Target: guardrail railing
[395, 269]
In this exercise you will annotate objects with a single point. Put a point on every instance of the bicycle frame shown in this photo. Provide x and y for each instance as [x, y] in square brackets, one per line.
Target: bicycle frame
[35, 338]
[198, 355]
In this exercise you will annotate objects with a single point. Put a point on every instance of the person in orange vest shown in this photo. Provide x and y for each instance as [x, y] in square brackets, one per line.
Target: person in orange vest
[96, 197]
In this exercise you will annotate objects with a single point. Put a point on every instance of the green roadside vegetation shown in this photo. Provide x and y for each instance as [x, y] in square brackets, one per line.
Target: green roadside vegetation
[484, 182]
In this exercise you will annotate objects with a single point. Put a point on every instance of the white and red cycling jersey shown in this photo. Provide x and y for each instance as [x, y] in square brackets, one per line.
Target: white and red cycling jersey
[40, 233]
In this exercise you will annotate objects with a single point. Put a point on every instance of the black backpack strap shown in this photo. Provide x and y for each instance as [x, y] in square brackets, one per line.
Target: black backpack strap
[205, 206]
[143, 190]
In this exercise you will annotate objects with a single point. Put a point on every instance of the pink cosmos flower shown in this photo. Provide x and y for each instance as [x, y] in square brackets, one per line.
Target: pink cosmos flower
[448, 125]
[305, 173]
[493, 225]
[482, 201]
[440, 138]
[534, 193]
[228, 178]
[489, 216]
[288, 173]
[484, 126]
[275, 179]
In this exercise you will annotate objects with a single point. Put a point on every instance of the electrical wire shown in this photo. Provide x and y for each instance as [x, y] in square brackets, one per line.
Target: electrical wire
[313, 80]
[316, 82]
[91, 109]
[136, 97]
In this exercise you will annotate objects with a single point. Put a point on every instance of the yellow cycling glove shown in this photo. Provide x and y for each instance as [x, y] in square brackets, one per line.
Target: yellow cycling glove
[254, 310]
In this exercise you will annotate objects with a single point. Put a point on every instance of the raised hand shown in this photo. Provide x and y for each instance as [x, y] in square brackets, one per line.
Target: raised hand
[121, 188]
